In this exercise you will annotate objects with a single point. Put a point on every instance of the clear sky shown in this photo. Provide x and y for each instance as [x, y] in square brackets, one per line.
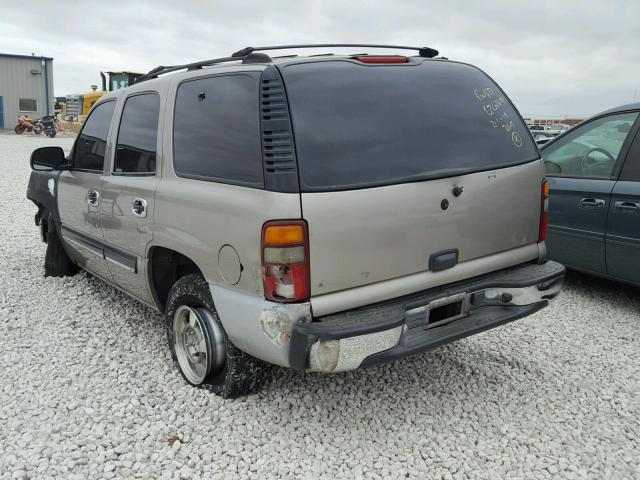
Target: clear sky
[553, 58]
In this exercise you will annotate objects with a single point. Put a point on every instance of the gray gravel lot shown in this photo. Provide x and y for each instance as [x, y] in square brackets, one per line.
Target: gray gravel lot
[88, 389]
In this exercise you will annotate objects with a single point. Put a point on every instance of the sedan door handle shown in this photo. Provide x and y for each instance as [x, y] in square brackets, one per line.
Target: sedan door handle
[627, 207]
[93, 197]
[139, 207]
[591, 203]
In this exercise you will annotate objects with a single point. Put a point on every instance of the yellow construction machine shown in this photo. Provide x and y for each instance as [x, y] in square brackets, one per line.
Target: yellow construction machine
[78, 106]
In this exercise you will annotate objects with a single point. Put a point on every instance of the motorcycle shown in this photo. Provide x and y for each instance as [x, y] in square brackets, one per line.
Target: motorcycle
[26, 124]
[50, 125]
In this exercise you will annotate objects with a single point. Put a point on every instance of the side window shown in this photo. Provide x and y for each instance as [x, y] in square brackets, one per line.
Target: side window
[28, 105]
[92, 142]
[591, 150]
[216, 130]
[631, 167]
[138, 135]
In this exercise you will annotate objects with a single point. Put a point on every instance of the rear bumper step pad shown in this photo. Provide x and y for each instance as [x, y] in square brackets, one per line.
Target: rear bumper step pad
[417, 339]
[527, 289]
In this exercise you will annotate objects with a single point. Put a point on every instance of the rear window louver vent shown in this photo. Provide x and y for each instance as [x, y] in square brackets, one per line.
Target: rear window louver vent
[274, 105]
[278, 150]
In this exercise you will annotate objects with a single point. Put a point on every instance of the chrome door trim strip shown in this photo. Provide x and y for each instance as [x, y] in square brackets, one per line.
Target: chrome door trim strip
[112, 254]
[121, 258]
[120, 264]
[82, 241]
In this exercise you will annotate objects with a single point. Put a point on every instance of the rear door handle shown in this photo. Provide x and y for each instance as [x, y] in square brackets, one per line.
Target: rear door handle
[139, 207]
[591, 203]
[627, 207]
[92, 197]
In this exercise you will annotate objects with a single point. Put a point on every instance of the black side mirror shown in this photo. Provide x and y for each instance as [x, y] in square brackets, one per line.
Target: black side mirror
[48, 158]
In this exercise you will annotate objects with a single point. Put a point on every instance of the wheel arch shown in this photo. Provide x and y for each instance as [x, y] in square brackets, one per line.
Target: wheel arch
[165, 267]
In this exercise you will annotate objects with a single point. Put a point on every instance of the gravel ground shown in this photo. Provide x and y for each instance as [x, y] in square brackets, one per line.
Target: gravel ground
[88, 389]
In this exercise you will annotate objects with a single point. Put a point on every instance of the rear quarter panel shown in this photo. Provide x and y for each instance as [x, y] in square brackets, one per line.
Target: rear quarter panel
[197, 218]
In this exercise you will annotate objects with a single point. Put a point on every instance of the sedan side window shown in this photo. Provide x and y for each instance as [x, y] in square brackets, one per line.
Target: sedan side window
[591, 150]
[91, 145]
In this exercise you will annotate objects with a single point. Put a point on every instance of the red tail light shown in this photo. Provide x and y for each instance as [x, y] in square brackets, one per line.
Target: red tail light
[383, 59]
[544, 212]
[285, 261]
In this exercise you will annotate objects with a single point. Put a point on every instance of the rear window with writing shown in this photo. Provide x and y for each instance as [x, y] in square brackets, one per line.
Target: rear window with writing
[499, 113]
[360, 125]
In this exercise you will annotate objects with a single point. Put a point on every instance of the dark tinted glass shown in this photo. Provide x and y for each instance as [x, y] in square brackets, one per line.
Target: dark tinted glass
[216, 132]
[358, 125]
[631, 167]
[138, 135]
[92, 141]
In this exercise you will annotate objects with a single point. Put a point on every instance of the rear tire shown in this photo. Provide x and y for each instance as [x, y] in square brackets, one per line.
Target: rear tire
[19, 129]
[56, 261]
[205, 356]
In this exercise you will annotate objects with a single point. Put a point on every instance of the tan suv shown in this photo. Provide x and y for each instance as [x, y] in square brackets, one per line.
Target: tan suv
[322, 212]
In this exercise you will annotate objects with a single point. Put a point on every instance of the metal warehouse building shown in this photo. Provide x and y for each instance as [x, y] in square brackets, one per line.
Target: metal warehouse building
[26, 87]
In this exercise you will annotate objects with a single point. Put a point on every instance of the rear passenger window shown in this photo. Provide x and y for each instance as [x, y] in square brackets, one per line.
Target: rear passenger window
[138, 135]
[92, 142]
[216, 130]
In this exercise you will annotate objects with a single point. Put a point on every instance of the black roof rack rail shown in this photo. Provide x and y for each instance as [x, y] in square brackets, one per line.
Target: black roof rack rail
[427, 52]
[247, 56]
[161, 70]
